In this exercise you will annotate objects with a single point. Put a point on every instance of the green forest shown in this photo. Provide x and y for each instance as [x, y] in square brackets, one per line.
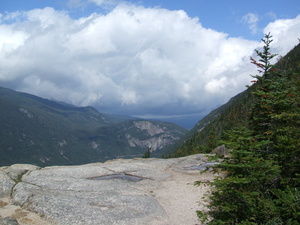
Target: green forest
[259, 181]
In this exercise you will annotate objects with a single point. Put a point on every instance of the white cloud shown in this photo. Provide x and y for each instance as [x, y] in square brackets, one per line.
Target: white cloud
[285, 34]
[214, 86]
[11, 39]
[251, 19]
[132, 60]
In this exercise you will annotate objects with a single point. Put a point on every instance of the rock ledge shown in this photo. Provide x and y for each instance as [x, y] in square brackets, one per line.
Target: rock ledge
[127, 192]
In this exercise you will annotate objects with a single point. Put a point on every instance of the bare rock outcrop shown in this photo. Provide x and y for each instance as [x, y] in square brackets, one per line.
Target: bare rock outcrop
[128, 192]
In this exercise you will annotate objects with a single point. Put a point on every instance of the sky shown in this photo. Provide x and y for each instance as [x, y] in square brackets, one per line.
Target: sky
[172, 60]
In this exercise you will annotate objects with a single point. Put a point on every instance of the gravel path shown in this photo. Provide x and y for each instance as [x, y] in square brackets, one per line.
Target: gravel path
[181, 198]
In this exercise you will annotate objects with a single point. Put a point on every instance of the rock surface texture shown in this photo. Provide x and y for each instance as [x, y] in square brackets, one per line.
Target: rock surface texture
[121, 192]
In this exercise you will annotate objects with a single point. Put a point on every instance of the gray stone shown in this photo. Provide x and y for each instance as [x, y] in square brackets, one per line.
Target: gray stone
[203, 166]
[8, 221]
[6, 184]
[220, 150]
[71, 194]
[67, 195]
[22, 192]
[9, 176]
[16, 171]
[96, 208]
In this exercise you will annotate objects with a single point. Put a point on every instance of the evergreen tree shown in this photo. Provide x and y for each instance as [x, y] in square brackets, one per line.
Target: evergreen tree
[260, 182]
[147, 154]
[276, 115]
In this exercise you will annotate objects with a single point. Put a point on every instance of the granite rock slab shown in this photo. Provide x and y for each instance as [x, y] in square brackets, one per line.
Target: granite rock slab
[99, 193]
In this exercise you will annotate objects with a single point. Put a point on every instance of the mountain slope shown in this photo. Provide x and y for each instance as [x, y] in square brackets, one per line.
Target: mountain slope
[43, 132]
[133, 135]
[207, 133]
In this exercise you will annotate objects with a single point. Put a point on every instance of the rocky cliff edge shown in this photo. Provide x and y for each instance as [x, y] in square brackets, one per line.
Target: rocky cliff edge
[122, 192]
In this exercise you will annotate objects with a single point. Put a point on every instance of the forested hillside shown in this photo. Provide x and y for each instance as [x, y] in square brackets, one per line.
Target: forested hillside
[43, 132]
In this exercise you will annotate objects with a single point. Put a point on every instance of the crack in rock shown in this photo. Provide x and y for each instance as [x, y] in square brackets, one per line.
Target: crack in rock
[122, 176]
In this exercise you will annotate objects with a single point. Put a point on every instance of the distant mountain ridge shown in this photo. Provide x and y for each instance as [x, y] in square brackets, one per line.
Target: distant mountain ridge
[43, 132]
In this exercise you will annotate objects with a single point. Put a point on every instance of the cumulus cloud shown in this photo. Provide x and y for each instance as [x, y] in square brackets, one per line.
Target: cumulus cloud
[285, 34]
[132, 60]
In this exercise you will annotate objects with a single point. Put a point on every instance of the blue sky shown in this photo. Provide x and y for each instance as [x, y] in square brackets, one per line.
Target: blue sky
[224, 16]
[227, 15]
[171, 60]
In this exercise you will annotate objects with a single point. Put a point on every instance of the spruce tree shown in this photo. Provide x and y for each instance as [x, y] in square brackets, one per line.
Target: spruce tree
[260, 180]
[276, 115]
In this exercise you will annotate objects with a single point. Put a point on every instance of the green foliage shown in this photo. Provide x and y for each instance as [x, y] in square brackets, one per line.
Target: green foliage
[264, 64]
[261, 178]
[147, 153]
[242, 196]
[209, 131]
[276, 116]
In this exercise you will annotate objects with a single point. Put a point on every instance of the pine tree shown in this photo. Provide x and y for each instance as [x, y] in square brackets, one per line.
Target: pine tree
[260, 182]
[147, 154]
[276, 115]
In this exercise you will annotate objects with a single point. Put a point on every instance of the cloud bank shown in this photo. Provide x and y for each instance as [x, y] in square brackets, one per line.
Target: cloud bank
[132, 60]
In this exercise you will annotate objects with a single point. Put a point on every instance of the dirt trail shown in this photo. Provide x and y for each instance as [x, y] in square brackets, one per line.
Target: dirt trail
[181, 198]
